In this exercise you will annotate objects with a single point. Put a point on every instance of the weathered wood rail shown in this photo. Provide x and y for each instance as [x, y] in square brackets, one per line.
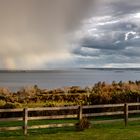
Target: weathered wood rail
[25, 118]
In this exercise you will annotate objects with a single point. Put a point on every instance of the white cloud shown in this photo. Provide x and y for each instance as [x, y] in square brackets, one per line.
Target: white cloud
[128, 34]
[137, 15]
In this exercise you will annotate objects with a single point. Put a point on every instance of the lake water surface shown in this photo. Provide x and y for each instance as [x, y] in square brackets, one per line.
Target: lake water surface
[56, 79]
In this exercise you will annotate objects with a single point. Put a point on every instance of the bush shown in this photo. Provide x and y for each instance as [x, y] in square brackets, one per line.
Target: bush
[59, 103]
[10, 105]
[2, 103]
[82, 124]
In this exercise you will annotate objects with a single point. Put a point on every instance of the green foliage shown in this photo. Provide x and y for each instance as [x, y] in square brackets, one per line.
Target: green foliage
[59, 103]
[34, 104]
[10, 105]
[2, 103]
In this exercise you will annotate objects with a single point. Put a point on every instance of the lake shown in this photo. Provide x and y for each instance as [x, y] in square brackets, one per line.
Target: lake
[14, 80]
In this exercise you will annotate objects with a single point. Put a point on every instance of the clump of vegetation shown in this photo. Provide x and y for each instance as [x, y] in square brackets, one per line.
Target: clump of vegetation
[82, 124]
[59, 103]
[10, 105]
[2, 103]
[100, 93]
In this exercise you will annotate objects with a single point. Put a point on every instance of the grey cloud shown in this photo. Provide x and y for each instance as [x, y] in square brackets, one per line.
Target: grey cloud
[120, 26]
[108, 46]
[124, 7]
[106, 42]
[104, 60]
[86, 52]
[116, 37]
[108, 55]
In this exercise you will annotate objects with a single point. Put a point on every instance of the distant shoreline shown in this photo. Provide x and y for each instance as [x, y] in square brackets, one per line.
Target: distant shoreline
[63, 70]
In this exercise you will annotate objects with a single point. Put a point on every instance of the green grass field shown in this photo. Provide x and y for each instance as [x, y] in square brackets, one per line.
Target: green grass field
[110, 131]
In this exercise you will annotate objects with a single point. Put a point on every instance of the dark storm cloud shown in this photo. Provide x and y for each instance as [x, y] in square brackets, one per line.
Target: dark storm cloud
[115, 35]
[105, 43]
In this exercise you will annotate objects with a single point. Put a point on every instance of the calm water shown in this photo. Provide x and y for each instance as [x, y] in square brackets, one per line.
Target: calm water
[56, 79]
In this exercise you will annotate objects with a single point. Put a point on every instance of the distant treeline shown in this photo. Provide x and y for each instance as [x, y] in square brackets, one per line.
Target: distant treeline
[100, 93]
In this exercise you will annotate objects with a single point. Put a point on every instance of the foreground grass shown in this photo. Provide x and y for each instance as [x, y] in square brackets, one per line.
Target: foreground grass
[115, 131]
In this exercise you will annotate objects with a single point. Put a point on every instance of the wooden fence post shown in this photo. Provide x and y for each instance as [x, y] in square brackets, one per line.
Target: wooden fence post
[126, 114]
[25, 119]
[80, 112]
[138, 100]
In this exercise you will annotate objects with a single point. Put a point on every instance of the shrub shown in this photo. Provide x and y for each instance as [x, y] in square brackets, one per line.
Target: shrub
[59, 103]
[82, 124]
[12, 105]
[2, 103]
[9, 105]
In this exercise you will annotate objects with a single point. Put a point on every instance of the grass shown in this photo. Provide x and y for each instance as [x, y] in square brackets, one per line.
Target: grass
[115, 131]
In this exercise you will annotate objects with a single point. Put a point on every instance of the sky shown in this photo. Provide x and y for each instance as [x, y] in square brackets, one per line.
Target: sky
[54, 34]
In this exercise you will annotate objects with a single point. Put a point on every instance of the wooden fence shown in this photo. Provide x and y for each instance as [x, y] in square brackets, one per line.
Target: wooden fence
[25, 118]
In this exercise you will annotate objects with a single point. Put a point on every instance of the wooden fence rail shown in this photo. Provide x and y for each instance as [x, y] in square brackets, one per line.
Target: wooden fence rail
[25, 118]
